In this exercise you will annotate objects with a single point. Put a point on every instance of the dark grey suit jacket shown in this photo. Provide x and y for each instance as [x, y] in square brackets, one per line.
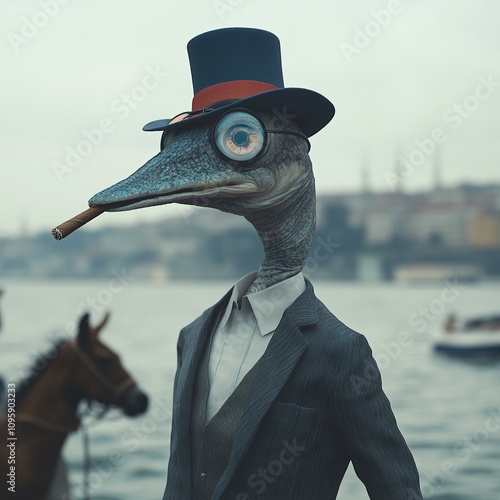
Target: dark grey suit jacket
[316, 404]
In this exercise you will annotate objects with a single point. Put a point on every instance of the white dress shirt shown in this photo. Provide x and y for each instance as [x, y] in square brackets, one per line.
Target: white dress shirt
[244, 332]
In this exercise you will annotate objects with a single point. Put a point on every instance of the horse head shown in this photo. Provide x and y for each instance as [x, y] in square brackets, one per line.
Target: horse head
[101, 376]
[47, 403]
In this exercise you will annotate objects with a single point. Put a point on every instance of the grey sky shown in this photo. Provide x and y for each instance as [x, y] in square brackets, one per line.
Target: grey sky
[395, 70]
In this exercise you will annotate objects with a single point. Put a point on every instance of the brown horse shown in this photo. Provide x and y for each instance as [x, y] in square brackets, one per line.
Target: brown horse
[46, 405]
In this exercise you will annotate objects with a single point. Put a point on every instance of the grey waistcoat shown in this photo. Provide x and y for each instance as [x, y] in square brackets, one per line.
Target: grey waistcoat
[211, 442]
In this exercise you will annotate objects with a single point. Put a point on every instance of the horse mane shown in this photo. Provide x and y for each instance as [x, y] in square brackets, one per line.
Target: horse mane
[43, 360]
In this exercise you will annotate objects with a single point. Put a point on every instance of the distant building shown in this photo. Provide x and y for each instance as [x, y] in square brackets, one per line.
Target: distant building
[385, 218]
[443, 224]
[484, 230]
[380, 226]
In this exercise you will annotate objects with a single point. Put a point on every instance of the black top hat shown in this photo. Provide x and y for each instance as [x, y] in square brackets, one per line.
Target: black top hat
[241, 67]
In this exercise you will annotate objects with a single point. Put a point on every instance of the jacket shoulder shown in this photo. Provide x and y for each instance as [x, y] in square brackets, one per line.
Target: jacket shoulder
[332, 333]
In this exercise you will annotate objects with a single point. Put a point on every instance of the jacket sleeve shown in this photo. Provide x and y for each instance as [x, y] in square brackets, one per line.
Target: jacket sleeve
[378, 451]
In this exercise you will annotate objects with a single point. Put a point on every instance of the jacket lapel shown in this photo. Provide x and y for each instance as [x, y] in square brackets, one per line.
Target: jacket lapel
[195, 337]
[275, 367]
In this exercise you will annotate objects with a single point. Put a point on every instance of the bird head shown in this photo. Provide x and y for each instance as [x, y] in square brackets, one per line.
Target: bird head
[243, 148]
[239, 162]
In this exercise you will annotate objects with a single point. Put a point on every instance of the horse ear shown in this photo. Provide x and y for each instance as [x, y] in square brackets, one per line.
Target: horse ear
[100, 326]
[83, 330]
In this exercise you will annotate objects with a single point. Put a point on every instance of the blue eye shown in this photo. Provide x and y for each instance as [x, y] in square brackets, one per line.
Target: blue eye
[239, 136]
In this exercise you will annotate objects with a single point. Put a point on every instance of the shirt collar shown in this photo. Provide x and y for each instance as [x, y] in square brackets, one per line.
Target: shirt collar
[268, 305]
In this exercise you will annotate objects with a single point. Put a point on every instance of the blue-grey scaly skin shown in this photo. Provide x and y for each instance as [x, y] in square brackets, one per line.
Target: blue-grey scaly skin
[275, 194]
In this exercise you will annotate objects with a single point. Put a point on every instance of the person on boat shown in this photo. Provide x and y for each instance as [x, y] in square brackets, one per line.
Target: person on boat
[450, 324]
[273, 395]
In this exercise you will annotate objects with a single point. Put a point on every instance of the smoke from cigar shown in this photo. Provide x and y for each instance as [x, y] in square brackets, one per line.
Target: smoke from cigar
[77, 221]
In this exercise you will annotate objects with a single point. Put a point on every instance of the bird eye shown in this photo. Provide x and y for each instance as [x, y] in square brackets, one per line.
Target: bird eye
[239, 136]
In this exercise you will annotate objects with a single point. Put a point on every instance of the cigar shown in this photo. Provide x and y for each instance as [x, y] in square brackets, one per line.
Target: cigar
[77, 221]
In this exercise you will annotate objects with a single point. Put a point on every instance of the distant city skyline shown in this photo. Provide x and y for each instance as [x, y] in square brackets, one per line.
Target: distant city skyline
[441, 233]
[414, 84]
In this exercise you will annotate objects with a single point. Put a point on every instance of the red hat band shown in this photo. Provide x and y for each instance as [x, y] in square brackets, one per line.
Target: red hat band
[237, 89]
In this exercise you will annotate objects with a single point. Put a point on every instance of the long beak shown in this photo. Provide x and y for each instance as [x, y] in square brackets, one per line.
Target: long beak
[188, 171]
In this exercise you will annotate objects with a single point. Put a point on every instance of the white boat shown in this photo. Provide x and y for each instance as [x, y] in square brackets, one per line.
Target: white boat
[474, 336]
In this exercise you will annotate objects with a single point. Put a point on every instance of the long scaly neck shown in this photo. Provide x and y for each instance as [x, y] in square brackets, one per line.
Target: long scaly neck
[286, 232]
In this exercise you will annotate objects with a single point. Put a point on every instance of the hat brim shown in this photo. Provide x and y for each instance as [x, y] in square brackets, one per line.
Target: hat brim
[308, 109]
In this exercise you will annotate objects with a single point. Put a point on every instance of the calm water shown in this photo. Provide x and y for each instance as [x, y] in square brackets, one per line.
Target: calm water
[448, 409]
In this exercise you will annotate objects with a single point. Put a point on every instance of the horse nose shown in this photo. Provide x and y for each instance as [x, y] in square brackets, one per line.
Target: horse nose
[134, 401]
